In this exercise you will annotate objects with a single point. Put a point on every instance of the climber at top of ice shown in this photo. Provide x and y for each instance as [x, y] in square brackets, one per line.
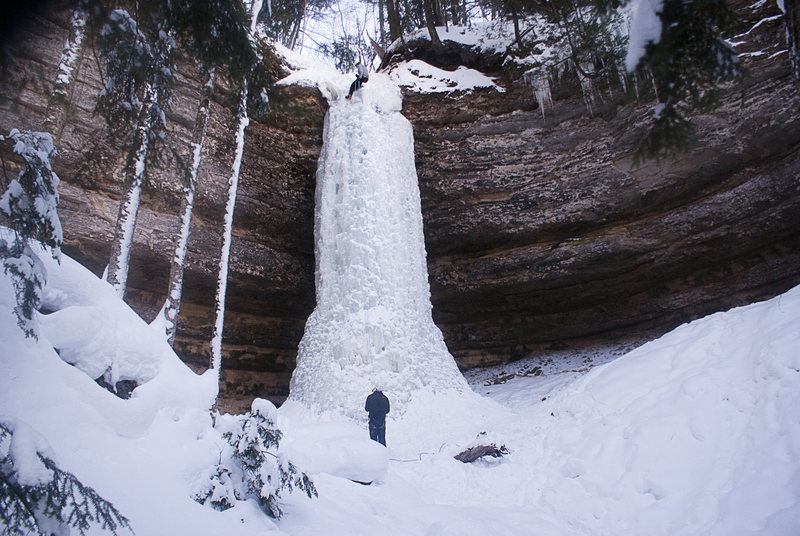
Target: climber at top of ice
[362, 76]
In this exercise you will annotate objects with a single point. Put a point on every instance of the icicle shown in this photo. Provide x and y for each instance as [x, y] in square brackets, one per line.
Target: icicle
[541, 89]
[587, 88]
[623, 77]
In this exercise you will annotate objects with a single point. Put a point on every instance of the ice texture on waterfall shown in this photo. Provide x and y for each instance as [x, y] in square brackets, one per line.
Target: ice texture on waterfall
[372, 326]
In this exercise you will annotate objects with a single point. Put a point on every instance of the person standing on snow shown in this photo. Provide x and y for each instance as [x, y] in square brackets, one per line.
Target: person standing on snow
[377, 406]
[362, 76]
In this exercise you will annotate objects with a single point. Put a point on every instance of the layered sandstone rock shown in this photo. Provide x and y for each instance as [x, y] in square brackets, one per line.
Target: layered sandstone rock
[541, 232]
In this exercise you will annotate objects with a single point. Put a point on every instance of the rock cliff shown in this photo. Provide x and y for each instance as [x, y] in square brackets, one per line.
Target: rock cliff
[541, 231]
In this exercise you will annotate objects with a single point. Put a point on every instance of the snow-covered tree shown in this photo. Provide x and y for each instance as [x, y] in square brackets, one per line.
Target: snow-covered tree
[242, 120]
[38, 497]
[30, 207]
[172, 304]
[139, 77]
[687, 62]
[253, 468]
[220, 40]
[58, 102]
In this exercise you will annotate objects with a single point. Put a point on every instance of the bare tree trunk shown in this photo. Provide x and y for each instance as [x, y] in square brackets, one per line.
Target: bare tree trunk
[56, 113]
[172, 305]
[430, 20]
[233, 185]
[394, 20]
[792, 21]
[121, 242]
[515, 18]
[381, 21]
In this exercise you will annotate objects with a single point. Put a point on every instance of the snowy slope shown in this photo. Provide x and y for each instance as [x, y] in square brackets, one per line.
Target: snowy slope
[697, 433]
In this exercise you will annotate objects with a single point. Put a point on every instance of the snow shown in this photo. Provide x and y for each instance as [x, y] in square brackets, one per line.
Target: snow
[71, 51]
[338, 448]
[24, 446]
[645, 28]
[484, 36]
[372, 325]
[697, 432]
[416, 75]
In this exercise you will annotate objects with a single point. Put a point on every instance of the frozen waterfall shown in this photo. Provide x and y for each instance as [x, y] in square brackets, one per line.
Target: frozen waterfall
[372, 326]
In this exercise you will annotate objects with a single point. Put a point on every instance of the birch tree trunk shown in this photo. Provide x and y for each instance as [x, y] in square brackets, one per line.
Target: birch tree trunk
[117, 271]
[233, 185]
[56, 113]
[172, 305]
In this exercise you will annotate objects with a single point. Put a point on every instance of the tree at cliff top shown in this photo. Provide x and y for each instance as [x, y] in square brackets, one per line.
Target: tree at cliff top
[283, 20]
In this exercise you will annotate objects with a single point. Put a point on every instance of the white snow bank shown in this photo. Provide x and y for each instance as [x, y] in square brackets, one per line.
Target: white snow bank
[98, 333]
[698, 429]
[141, 454]
[416, 75]
[340, 449]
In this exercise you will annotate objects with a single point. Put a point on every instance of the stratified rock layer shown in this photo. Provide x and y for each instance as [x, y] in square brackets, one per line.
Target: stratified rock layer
[540, 231]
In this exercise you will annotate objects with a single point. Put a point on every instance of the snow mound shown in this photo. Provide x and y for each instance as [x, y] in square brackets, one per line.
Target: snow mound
[337, 448]
[416, 75]
[700, 428]
[100, 335]
[372, 324]
[141, 454]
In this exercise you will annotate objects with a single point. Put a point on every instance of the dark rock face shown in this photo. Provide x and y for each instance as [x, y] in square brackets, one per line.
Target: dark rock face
[541, 232]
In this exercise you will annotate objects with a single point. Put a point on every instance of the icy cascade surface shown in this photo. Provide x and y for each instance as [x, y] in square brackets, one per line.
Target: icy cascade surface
[372, 326]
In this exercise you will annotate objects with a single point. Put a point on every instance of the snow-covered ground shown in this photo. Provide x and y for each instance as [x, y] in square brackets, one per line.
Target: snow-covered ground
[697, 432]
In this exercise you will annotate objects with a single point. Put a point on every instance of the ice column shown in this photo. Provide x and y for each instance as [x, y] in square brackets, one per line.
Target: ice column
[372, 326]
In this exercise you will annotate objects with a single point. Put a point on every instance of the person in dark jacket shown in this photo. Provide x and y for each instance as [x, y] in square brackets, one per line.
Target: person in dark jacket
[361, 76]
[377, 406]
